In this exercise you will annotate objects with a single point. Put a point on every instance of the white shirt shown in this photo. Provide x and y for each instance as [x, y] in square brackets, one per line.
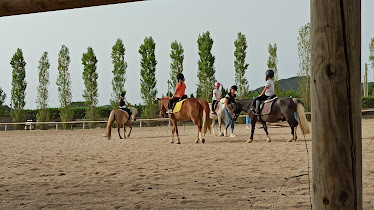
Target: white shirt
[270, 85]
[218, 94]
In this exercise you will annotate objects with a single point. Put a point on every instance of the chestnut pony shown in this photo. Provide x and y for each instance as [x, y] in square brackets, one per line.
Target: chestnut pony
[122, 119]
[192, 109]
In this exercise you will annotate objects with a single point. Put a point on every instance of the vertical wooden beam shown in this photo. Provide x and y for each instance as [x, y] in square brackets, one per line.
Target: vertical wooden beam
[336, 104]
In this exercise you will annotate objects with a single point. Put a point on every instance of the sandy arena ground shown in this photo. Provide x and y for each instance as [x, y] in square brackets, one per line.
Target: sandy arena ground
[80, 169]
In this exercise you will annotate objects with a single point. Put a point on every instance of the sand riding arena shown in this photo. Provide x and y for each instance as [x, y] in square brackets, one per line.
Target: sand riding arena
[81, 169]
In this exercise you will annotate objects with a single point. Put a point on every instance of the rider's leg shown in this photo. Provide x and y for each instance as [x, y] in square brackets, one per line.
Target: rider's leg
[228, 120]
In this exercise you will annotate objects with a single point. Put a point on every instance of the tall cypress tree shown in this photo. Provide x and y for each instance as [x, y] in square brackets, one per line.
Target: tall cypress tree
[64, 85]
[119, 72]
[42, 98]
[304, 52]
[148, 79]
[273, 65]
[176, 66]
[18, 86]
[240, 65]
[90, 76]
[206, 71]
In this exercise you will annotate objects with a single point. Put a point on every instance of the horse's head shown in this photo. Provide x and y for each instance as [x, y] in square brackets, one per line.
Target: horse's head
[163, 104]
[134, 113]
[236, 109]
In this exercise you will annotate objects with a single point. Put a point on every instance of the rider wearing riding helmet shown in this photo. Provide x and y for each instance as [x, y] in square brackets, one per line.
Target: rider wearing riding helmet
[123, 102]
[230, 98]
[216, 97]
[267, 92]
[179, 92]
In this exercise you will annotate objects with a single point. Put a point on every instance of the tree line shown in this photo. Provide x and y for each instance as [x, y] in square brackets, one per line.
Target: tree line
[206, 75]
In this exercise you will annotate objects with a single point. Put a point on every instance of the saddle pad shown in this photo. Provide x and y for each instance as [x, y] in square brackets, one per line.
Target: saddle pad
[267, 107]
[178, 106]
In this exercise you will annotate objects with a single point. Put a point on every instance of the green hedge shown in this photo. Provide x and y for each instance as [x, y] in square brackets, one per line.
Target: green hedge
[78, 113]
[368, 102]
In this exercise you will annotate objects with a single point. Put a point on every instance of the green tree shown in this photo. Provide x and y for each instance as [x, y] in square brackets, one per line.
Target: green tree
[148, 79]
[18, 86]
[304, 52]
[206, 71]
[240, 65]
[64, 85]
[119, 72]
[176, 66]
[272, 64]
[2, 100]
[42, 98]
[371, 56]
[90, 94]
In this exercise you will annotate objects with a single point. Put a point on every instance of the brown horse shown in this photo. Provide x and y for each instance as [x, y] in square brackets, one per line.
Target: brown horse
[122, 119]
[192, 109]
[282, 109]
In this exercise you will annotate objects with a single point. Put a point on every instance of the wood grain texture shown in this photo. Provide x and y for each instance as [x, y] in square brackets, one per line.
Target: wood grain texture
[16, 7]
[336, 104]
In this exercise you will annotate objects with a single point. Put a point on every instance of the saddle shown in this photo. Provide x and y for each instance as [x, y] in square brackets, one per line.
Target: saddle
[265, 106]
[178, 106]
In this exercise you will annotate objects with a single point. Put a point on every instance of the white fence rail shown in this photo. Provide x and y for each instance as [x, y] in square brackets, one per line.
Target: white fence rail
[31, 124]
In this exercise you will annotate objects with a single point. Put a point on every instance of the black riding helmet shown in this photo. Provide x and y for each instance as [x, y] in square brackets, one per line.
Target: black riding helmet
[180, 76]
[234, 87]
[269, 73]
[123, 94]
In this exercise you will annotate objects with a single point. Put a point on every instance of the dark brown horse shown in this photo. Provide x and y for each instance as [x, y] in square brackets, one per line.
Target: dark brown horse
[122, 119]
[192, 109]
[282, 109]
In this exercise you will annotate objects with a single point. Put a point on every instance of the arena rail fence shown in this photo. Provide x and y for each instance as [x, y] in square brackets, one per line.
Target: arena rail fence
[83, 122]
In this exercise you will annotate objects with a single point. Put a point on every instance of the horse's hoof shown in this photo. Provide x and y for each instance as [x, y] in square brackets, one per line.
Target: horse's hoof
[290, 140]
[178, 143]
[222, 134]
[249, 141]
[268, 140]
[203, 141]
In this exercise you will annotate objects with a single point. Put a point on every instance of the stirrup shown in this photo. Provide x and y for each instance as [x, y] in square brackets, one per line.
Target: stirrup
[169, 111]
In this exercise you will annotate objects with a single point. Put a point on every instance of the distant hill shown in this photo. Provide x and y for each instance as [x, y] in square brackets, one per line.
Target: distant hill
[285, 84]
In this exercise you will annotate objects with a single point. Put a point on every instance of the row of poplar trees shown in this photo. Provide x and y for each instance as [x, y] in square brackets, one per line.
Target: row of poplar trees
[205, 85]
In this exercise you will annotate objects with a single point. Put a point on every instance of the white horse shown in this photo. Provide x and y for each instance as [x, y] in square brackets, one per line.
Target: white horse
[220, 116]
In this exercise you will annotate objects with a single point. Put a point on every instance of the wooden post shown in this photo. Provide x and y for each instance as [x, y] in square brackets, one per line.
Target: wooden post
[6, 127]
[83, 126]
[336, 104]
[56, 126]
[140, 123]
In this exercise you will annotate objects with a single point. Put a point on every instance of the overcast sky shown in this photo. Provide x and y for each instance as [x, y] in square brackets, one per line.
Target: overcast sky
[262, 22]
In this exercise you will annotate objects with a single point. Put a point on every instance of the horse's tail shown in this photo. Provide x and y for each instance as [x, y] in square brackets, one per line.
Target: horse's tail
[301, 117]
[206, 109]
[109, 124]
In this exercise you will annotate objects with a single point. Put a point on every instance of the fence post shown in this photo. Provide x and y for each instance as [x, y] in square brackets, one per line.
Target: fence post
[56, 126]
[83, 126]
[30, 126]
[6, 126]
[141, 123]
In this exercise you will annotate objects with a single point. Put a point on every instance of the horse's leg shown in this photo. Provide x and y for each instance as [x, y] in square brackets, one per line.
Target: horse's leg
[213, 123]
[124, 131]
[293, 124]
[266, 131]
[253, 126]
[130, 130]
[176, 130]
[295, 134]
[119, 130]
[199, 126]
